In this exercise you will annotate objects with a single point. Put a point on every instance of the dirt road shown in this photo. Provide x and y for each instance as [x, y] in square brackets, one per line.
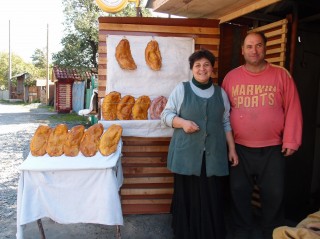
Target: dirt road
[17, 125]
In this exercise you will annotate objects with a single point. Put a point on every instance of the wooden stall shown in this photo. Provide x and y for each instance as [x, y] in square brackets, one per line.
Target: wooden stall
[148, 185]
[63, 79]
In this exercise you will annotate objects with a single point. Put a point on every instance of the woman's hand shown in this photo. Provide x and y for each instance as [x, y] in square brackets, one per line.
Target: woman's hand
[233, 158]
[188, 126]
[232, 155]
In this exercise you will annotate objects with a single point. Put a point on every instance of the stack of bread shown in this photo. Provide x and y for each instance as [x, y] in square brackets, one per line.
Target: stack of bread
[128, 108]
[59, 140]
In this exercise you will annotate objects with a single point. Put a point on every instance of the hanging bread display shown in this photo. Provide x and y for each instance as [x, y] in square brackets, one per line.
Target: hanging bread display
[39, 140]
[153, 55]
[89, 144]
[157, 106]
[140, 108]
[110, 139]
[57, 139]
[109, 105]
[123, 55]
[72, 146]
[124, 108]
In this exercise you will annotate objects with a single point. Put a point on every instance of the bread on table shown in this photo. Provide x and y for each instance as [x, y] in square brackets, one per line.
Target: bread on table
[57, 139]
[153, 55]
[39, 140]
[157, 106]
[110, 139]
[140, 108]
[72, 146]
[123, 55]
[109, 105]
[124, 108]
[89, 144]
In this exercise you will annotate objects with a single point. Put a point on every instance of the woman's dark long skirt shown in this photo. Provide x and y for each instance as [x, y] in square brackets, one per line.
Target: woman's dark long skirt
[197, 207]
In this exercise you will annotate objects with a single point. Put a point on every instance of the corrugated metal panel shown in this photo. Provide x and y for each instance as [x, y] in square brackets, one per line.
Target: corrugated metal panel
[78, 90]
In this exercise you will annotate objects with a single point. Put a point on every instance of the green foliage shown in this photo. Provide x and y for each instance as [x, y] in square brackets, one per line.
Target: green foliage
[69, 117]
[80, 43]
[18, 66]
[39, 58]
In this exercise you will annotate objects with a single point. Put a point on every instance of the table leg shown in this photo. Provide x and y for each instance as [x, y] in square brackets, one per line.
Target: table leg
[118, 233]
[43, 236]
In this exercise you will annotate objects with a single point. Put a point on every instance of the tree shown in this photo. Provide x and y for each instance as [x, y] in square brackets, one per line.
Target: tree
[80, 44]
[18, 67]
[39, 58]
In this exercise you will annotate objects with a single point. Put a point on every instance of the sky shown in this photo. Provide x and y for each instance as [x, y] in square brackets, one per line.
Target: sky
[29, 21]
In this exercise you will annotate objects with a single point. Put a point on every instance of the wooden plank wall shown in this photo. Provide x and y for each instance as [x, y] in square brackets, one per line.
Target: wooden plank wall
[148, 184]
[276, 34]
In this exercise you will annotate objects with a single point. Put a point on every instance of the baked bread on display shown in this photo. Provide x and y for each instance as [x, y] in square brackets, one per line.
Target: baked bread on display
[89, 144]
[124, 108]
[157, 106]
[109, 105]
[140, 108]
[123, 55]
[153, 55]
[72, 145]
[39, 140]
[57, 139]
[110, 139]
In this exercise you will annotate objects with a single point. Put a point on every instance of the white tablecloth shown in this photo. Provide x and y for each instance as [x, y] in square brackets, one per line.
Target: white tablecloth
[140, 128]
[70, 190]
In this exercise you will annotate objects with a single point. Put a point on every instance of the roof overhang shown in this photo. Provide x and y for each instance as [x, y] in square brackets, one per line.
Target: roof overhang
[223, 10]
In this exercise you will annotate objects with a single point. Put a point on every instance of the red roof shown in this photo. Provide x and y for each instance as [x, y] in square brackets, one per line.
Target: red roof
[66, 74]
[70, 74]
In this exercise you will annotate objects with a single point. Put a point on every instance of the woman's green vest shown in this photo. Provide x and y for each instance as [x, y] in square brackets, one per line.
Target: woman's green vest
[186, 150]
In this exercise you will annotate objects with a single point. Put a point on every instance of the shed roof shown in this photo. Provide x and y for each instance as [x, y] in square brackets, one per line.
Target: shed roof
[26, 74]
[65, 74]
[71, 74]
[226, 10]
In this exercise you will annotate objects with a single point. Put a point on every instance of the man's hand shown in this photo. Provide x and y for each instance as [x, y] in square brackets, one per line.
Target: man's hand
[287, 152]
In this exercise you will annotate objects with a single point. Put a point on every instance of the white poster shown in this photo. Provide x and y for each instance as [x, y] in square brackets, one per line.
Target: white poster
[175, 52]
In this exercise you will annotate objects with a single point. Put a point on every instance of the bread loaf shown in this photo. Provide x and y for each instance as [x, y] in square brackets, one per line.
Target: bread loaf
[153, 55]
[140, 108]
[157, 106]
[39, 140]
[124, 108]
[110, 139]
[89, 144]
[57, 139]
[72, 146]
[123, 55]
[109, 105]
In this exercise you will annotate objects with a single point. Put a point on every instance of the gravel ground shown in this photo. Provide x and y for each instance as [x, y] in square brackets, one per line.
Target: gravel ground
[17, 125]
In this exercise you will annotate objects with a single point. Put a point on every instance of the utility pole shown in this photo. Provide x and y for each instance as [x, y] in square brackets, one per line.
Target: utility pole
[10, 61]
[47, 86]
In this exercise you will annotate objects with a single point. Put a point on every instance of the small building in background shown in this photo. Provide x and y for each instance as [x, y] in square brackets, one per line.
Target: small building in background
[17, 89]
[63, 81]
[41, 85]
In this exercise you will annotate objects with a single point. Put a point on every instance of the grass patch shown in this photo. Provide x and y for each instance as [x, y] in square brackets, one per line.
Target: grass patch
[7, 102]
[48, 107]
[69, 117]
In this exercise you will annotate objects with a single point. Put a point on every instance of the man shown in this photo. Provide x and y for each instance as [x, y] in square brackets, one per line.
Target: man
[266, 120]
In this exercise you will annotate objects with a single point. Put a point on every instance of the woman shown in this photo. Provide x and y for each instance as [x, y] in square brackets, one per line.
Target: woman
[199, 113]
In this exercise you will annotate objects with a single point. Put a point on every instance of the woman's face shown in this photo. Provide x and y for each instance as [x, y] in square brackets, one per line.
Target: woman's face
[202, 70]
